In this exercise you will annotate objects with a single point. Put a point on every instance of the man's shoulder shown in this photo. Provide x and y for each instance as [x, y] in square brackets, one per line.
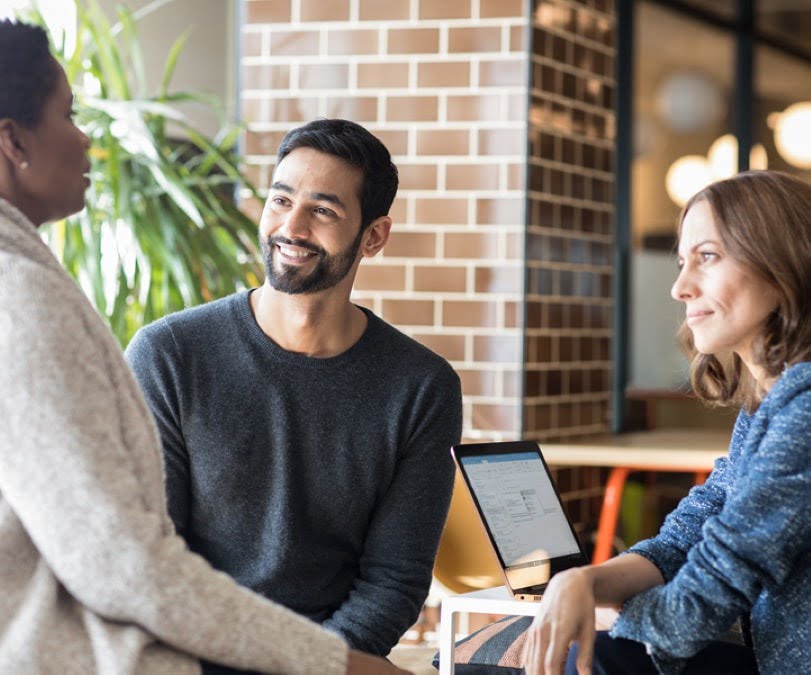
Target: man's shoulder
[184, 333]
[404, 352]
[201, 315]
[211, 317]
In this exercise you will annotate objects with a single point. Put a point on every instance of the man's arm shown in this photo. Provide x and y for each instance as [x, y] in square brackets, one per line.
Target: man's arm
[397, 562]
[156, 362]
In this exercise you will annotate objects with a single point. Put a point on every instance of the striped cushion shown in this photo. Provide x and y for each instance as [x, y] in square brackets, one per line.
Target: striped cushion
[495, 649]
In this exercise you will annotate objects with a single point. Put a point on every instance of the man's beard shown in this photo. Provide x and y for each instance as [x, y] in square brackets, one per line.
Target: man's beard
[329, 269]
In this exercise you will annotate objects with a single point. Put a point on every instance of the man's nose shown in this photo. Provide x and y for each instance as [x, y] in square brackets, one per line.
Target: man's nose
[296, 224]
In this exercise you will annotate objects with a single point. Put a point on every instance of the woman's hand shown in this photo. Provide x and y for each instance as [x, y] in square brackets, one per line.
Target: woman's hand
[566, 614]
[366, 664]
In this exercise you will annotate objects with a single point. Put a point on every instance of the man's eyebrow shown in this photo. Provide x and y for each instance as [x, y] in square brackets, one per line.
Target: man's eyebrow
[315, 196]
[284, 187]
[327, 197]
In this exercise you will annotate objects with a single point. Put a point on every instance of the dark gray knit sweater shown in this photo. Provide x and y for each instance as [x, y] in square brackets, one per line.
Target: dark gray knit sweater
[322, 484]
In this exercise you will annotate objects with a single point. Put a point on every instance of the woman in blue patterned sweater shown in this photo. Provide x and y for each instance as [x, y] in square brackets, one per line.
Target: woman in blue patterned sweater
[738, 547]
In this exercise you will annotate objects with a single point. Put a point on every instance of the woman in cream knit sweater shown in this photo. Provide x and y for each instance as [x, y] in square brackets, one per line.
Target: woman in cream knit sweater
[93, 578]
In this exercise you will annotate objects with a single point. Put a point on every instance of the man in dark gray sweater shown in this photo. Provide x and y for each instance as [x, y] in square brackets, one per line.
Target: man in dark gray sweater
[306, 440]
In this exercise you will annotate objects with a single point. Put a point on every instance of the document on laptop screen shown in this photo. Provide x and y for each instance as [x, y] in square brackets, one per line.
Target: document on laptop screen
[520, 506]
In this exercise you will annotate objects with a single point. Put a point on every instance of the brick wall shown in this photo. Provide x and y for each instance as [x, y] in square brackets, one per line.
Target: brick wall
[443, 85]
[570, 234]
[499, 117]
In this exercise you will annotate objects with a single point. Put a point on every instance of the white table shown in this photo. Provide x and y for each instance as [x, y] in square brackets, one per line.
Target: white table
[496, 600]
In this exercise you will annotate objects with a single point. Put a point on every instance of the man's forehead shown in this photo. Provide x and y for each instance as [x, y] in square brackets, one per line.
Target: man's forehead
[307, 156]
[312, 171]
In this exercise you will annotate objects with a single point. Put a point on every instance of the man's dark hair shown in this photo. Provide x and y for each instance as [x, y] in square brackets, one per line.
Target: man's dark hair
[358, 147]
[27, 72]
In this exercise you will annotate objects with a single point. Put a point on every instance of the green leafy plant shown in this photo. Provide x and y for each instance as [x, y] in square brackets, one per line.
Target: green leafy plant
[161, 230]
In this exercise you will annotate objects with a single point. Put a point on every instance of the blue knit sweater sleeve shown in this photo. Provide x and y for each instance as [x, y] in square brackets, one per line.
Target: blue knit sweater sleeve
[682, 527]
[749, 541]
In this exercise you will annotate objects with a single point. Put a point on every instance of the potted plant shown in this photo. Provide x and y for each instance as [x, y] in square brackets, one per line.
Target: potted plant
[161, 230]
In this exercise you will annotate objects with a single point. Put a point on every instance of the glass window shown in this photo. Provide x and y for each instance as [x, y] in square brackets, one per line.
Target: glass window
[681, 109]
[723, 9]
[59, 15]
[788, 22]
[9, 7]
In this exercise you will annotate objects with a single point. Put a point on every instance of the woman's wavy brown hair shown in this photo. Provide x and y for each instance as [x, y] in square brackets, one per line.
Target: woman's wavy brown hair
[764, 222]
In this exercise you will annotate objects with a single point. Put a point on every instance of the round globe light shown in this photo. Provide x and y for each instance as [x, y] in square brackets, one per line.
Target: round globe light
[688, 101]
[758, 159]
[792, 135]
[723, 157]
[686, 176]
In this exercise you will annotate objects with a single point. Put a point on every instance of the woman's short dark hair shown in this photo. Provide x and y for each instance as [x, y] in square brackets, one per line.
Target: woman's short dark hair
[27, 73]
[764, 222]
[358, 147]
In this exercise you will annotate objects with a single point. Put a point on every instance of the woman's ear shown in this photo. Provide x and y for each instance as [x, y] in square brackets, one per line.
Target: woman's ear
[10, 146]
[377, 234]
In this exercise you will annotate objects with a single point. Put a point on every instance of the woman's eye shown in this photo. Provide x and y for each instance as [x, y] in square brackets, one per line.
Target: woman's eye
[707, 255]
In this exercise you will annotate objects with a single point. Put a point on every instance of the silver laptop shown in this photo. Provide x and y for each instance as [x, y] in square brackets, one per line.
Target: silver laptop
[521, 511]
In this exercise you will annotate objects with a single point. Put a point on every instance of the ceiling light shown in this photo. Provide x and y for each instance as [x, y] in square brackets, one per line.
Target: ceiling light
[689, 101]
[686, 176]
[792, 135]
[723, 157]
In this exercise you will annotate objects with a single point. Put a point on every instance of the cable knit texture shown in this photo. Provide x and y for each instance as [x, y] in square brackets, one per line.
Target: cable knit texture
[739, 544]
[92, 577]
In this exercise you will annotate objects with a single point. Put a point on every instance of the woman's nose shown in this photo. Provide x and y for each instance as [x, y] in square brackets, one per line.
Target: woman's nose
[683, 288]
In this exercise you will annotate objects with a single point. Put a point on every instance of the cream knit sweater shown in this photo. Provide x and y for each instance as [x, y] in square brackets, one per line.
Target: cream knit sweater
[92, 577]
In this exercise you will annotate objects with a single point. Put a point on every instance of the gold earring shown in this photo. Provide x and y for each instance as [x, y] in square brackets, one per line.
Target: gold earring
[24, 165]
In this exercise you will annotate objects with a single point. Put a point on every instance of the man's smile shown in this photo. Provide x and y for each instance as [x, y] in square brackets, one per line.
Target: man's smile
[294, 254]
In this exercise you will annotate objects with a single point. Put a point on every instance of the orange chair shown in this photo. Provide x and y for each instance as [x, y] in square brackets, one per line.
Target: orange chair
[465, 561]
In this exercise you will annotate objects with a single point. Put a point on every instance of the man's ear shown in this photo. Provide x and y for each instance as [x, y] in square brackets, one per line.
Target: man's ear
[377, 234]
[10, 146]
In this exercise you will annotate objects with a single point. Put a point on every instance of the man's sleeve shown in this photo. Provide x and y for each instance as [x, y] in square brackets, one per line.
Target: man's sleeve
[749, 547]
[396, 566]
[157, 364]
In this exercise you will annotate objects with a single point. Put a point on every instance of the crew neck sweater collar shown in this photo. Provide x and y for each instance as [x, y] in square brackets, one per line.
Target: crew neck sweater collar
[243, 309]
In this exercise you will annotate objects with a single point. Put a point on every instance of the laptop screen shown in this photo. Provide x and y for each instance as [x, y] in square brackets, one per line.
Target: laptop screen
[520, 506]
